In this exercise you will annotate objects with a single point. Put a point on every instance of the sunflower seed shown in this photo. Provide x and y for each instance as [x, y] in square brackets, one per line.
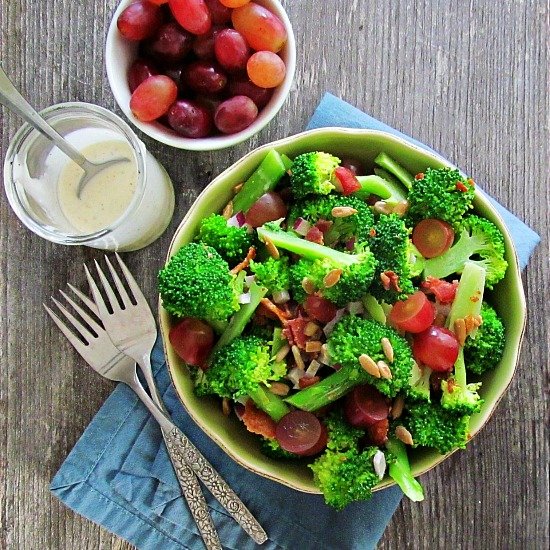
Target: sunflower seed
[332, 277]
[388, 349]
[385, 371]
[313, 346]
[282, 353]
[311, 329]
[401, 208]
[404, 435]
[308, 286]
[298, 358]
[397, 407]
[379, 462]
[343, 211]
[382, 207]
[367, 362]
[228, 210]
[226, 406]
[279, 388]
[271, 248]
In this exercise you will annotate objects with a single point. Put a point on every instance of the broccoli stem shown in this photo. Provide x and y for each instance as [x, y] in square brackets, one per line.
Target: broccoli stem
[329, 389]
[386, 190]
[374, 309]
[268, 402]
[287, 162]
[241, 317]
[393, 167]
[385, 175]
[264, 179]
[309, 250]
[400, 470]
[278, 341]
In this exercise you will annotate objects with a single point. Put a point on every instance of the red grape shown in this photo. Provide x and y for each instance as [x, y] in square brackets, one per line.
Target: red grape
[192, 15]
[153, 97]
[231, 50]
[320, 308]
[243, 86]
[170, 44]
[203, 46]
[268, 208]
[219, 13]
[436, 348]
[235, 114]
[262, 29]
[365, 406]
[415, 314]
[353, 165]
[234, 3]
[266, 69]
[139, 20]
[302, 433]
[192, 340]
[204, 77]
[190, 119]
[140, 70]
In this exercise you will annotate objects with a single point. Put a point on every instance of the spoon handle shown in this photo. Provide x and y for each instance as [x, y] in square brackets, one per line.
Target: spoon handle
[13, 100]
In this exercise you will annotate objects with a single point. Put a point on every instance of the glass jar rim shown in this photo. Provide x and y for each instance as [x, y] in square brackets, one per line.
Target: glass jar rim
[27, 130]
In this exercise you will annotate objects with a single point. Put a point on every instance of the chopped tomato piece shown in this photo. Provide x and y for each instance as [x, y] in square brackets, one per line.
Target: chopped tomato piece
[444, 291]
[257, 421]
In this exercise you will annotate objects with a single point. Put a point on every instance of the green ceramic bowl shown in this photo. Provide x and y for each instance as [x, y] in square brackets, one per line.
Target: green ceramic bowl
[507, 297]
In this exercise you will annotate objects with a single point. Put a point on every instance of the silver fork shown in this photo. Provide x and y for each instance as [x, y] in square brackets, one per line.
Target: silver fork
[100, 353]
[132, 330]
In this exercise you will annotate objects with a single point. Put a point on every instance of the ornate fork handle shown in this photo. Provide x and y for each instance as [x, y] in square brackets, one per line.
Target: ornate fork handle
[178, 444]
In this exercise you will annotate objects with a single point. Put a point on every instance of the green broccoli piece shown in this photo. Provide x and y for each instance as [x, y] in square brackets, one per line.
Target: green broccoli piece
[393, 250]
[232, 243]
[351, 337]
[197, 282]
[394, 169]
[311, 173]
[388, 190]
[318, 260]
[357, 226]
[341, 435]
[345, 476]
[273, 273]
[443, 194]
[432, 426]
[244, 367]
[460, 399]
[418, 388]
[484, 351]
[272, 449]
[481, 242]
[400, 470]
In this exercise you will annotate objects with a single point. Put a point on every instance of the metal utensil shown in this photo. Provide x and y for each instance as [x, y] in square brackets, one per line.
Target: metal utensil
[132, 329]
[13, 100]
[100, 353]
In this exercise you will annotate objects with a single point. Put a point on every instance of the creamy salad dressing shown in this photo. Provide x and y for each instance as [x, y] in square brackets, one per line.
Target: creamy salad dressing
[106, 197]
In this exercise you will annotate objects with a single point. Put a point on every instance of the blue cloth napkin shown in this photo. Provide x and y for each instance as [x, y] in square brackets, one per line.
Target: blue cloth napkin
[119, 474]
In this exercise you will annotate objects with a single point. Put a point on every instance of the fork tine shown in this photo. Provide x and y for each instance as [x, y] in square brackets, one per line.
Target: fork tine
[134, 287]
[113, 300]
[81, 329]
[98, 298]
[120, 287]
[90, 303]
[78, 345]
[95, 327]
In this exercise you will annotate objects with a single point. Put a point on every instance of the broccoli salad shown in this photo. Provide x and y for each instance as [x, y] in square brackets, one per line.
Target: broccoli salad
[342, 316]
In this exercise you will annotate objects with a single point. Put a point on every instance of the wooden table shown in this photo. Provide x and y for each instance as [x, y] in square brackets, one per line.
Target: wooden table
[468, 78]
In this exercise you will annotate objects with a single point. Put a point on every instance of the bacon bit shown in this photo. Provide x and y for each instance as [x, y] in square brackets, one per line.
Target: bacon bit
[271, 248]
[343, 211]
[226, 406]
[270, 306]
[471, 182]
[246, 262]
[313, 346]
[315, 235]
[378, 432]
[392, 280]
[279, 388]
[474, 299]
[444, 291]
[307, 381]
[294, 332]
[323, 225]
[372, 232]
[385, 280]
[419, 176]
[238, 187]
[451, 385]
[228, 210]
[461, 187]
[257, 421]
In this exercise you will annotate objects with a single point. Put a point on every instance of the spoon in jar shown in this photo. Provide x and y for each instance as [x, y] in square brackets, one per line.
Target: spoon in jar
[14, 101]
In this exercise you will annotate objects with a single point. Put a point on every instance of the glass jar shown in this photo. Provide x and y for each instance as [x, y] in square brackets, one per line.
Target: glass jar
[33, 168]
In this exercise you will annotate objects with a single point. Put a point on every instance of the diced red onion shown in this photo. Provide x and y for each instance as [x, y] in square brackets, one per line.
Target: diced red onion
[379, 462]
[324, 357]
[237, 220]
[249, 279]
[356, 308]
[294, 376]
[244, 298]
[350, 243]
[281, 296]
[330, 325]
[301, 226]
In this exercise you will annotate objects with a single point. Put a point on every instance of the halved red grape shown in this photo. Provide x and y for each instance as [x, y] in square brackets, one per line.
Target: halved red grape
[268, 208]
[266, 69]
[139, 20]
[192, 340]
[140, 70]
[436, 347]
[205, 77]
[415, 314]
[234, 3]
[262, 29]
[170, 44]
[243, 86]
[364, 406]
[235, 114]
[190, 119]
[231, 50]
[219, 13]
[192, 15]
[302, 433]
[153, 97]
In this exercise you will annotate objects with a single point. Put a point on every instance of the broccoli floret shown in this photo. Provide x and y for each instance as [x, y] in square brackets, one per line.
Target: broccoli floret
[394, 252]
[273, 273]
[418, 388]
[272, 449]
[341, 435]
[357, 226]
[232, 243]
[344, 477]
[311, 173]
[481, 242]
[485, 349]
[460, 399]
[356, 270]
[352, 337]
[432, 426]
[443, 194]
[197, 282]
[243, 368]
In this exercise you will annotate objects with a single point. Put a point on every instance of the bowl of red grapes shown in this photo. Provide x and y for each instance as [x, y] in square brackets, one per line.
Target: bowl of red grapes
[200, 74]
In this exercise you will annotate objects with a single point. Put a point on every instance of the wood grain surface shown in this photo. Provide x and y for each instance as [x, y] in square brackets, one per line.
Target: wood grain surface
[469, 78]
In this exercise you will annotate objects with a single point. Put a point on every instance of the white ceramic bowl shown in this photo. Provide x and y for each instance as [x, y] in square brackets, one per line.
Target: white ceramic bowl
[120, 53]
